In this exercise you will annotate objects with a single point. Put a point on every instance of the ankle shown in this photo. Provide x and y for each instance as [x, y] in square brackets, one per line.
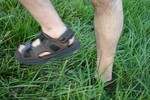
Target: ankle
[54, 32]
[108, 78]
[105, 78]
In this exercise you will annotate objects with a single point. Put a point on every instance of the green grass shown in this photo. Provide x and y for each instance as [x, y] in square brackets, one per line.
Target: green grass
[48, 81]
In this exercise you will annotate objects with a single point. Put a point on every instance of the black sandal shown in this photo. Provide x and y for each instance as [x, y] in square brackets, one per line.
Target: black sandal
[57, 47]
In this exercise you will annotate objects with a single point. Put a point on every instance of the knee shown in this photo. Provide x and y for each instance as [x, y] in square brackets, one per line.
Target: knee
[102, 3]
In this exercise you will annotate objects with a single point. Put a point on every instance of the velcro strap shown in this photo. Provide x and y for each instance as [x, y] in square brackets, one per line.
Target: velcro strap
[41, 36]
[28, 45]
[66, 36]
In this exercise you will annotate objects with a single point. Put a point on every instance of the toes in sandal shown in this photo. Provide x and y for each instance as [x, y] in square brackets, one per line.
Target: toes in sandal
[57, 47]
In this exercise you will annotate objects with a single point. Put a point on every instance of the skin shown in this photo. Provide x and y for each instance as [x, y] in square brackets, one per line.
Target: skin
[46, 15]
[108, 22]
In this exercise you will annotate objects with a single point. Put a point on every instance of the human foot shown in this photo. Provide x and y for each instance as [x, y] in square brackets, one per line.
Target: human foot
[46, 47]
[37, 42]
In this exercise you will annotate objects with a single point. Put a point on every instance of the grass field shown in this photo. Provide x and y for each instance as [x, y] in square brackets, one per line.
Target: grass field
[69, 78]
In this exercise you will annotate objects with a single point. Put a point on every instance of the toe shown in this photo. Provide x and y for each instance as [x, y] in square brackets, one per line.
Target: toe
[21, 48]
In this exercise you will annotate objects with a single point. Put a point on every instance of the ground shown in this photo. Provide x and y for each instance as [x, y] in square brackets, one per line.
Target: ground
[70, 78]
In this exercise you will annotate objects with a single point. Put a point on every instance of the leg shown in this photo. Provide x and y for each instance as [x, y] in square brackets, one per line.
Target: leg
[45, 14]
[55, 39]
[108, 22]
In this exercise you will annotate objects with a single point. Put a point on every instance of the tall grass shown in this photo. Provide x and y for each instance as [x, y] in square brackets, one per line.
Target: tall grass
[70, 78]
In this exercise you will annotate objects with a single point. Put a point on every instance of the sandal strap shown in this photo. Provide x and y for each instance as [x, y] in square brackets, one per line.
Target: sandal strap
[28, 45]
[34, 52]
[66, 36]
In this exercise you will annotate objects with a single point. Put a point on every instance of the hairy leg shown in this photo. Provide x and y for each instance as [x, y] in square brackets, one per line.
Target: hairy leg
[46, 15]
[108, 22]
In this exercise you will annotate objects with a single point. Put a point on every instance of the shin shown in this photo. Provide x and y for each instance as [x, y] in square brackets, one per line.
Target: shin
[108, 22]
